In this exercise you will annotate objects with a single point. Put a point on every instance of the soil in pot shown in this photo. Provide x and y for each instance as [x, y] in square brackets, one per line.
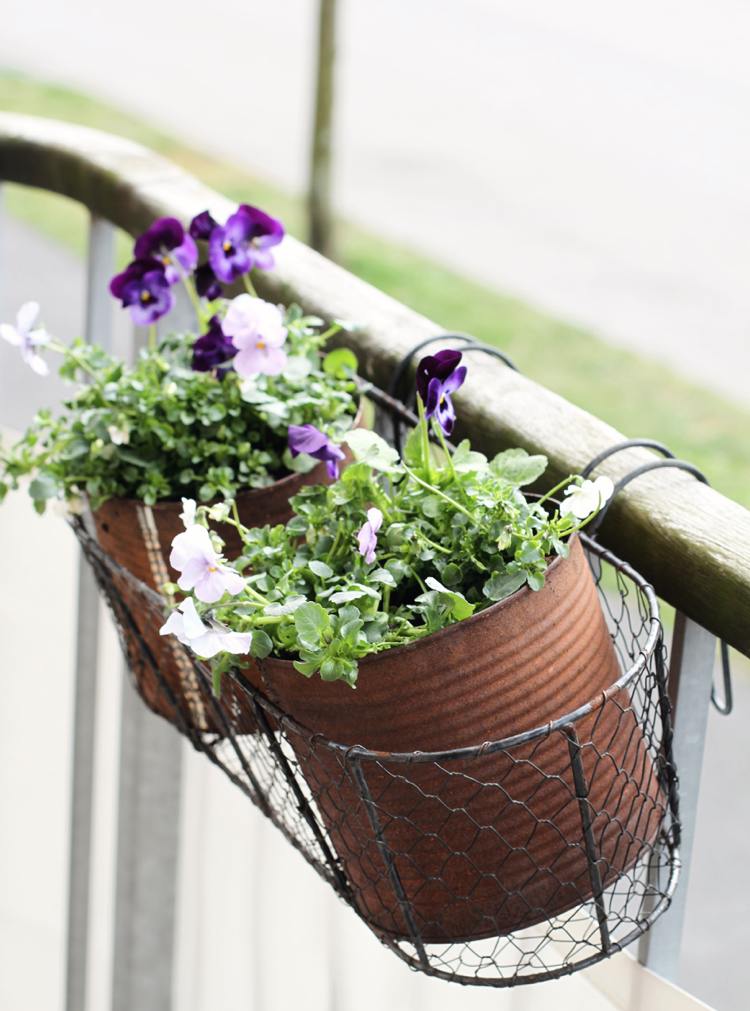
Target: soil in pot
[491, 844]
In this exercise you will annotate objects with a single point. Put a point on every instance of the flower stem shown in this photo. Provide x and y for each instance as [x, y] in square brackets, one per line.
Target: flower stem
[557, 488]
[438, 430]
[80, 363]
[424, 438]
[152, 337]
[192, 294]
[249, 287]
[439, 493]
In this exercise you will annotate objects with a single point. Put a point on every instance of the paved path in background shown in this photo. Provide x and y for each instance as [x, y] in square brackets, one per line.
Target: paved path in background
[592, 158]
[717, 930]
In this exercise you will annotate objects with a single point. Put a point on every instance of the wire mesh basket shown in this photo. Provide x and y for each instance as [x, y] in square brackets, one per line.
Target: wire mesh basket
[504, 862]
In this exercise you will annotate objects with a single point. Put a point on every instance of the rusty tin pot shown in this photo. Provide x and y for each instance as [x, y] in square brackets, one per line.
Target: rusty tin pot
[491, 843]
[139, 538]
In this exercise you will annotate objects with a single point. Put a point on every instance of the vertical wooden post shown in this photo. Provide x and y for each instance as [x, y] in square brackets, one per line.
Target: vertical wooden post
[320, 212]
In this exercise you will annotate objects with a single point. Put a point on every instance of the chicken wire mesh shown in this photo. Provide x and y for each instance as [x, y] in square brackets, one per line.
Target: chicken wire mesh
[508, 862]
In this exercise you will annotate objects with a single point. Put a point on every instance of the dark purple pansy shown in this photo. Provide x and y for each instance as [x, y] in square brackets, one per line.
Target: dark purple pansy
[206, 283]
[166, 240]
[144, 289]
[309, 439]
[213, 349]
[438, 376]
[202, 225]
[244, 243]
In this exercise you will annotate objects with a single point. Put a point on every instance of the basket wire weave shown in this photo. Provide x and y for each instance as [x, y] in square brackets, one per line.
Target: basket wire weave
[320, 794]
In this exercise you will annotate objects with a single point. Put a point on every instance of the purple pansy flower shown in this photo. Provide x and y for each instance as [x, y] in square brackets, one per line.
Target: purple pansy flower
[438, 376]
[167, 241]
[143, 288]
[309, 439]
[214, 348]
[28, 337]
[243, 243]
[201, 568]
[367, 536]
[206, 283]
[258, 332]
[202, 225]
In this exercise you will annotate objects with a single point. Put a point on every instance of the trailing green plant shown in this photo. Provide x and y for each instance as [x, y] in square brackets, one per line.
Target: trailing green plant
[394, 550]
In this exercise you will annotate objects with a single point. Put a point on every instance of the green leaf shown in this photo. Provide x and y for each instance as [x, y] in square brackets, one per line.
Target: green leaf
[467, 461]
[459, 606]
[340, 362]
[306, 667]
[382, 576]
[320, 569]
[430, 505]
[311, 621]
[290, 606]
[370, 448]
[412, 451]
[518, 468]
[43, 487]
[501, 584]
[451, 574]
[261, 644]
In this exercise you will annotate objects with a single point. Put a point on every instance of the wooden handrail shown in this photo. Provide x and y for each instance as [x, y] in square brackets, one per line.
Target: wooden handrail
[691, 542]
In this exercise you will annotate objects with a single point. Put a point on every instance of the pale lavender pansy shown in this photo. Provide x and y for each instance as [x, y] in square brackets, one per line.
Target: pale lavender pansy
[201, 569]
[367, 536]
[257, 331]
[204, 640]
[28, 337]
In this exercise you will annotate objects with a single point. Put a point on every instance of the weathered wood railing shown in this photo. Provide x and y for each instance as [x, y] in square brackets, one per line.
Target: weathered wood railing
[691, 542]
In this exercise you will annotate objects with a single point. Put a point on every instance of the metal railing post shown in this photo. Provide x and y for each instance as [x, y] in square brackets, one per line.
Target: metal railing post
[98, 327]
[690, 681]
[148, 841]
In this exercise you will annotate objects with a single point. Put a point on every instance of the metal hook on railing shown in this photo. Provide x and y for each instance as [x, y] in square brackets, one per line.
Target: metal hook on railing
[470, 344]
[725, 704]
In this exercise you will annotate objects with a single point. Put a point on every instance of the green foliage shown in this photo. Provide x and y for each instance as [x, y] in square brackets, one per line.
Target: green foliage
[456, 536]
[160, 430]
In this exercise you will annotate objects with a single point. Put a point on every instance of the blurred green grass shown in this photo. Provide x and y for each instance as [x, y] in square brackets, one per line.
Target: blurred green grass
[638, 396]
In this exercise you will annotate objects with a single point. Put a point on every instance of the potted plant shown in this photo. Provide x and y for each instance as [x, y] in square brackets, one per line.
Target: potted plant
[246, 408]
[428, 604]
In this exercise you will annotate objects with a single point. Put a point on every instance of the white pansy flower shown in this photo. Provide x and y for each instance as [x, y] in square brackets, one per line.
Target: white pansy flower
[204, 640]
[26, 337]
[119, 436]
[581, 500]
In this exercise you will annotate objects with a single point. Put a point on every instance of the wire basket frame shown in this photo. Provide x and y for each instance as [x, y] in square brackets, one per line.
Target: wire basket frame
[507, 862]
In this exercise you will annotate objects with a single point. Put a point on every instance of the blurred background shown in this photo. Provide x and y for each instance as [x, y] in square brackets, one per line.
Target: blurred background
[567, 181]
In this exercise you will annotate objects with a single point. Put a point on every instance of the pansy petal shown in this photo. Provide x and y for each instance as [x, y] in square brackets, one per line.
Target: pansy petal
[273, 361]
[454, 380]
[375, 519]
[10, 334]
[27, 316]
[210, 586]
[38, 364]
[192, 622]
[194, 572]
